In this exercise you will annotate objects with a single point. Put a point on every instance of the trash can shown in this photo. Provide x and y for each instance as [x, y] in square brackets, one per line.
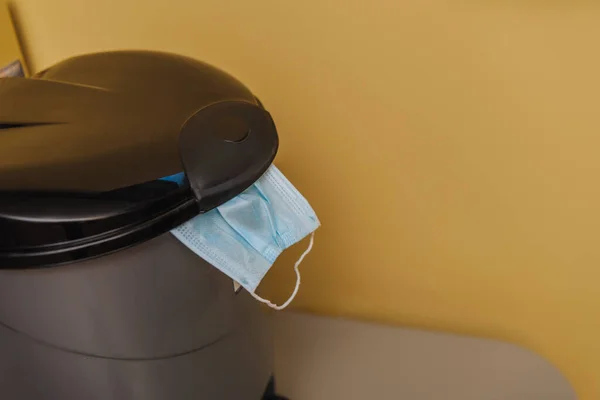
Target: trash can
[102, 155]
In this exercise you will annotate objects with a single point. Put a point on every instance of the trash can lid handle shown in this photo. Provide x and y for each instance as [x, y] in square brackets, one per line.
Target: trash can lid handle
[224, 148]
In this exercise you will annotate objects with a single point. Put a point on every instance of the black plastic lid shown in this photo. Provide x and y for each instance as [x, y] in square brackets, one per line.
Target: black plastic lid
[86, 142]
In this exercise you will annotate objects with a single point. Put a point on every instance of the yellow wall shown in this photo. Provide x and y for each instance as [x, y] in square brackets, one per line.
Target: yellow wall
[451, 149]
[9, 47]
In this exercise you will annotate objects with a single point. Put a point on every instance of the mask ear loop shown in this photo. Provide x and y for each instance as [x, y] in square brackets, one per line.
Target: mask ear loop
[295, 292]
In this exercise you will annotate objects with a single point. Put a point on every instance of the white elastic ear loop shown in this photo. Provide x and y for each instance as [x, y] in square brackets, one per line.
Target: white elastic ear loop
[295, 292]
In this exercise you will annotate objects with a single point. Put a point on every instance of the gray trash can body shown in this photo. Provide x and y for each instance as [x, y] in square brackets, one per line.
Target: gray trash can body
[152, 322]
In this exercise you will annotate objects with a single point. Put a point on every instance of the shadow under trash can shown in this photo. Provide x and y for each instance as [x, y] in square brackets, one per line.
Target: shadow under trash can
[102, 155]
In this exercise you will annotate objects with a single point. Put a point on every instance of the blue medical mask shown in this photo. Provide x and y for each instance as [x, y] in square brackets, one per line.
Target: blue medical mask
[244, 236]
